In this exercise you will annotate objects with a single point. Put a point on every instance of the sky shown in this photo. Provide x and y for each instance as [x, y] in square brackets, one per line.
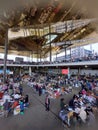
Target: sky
[94, 47]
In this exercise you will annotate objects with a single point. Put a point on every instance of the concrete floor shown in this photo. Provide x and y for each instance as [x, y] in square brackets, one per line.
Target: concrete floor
[35, 117]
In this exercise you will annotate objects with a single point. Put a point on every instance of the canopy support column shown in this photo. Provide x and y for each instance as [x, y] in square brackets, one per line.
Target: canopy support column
[30, 71]
[79, 71]
[65, 55]
[40, 57]
[70, 54]
[5, 57]
[50, 43]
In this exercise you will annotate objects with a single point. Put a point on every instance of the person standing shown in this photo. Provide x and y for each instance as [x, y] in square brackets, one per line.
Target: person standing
[47, 103]
[21, 89]
[40, 90]
[6, 107]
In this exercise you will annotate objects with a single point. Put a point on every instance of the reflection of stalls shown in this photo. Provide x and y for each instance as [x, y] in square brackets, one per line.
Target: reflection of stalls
[51, 87]
[53, 90]
[26, 78]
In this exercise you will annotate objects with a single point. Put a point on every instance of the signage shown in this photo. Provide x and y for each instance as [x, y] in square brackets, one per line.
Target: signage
[65, 71]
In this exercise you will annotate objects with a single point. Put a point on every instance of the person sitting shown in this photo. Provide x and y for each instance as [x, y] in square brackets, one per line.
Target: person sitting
[21, 107]
[15, 104]
[26, 101]
[62, 104]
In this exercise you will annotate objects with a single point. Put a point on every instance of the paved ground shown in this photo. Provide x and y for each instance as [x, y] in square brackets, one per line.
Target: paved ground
[35, 117]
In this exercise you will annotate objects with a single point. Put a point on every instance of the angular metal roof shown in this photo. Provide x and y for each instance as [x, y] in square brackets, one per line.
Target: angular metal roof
[35, 23]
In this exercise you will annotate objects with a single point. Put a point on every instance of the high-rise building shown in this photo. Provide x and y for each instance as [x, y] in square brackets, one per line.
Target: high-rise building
[76, 53]
[80, 52]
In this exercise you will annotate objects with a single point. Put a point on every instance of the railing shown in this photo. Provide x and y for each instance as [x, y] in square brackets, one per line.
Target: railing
[43, 64]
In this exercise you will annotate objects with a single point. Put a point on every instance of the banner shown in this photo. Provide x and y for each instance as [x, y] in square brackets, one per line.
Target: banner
[65, 71]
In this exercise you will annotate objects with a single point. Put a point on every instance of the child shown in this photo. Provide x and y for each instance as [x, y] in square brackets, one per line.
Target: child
[21, 107]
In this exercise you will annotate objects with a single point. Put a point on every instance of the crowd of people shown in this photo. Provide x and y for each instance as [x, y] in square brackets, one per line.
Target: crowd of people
[12, 98]
[51, 84]
[82, 108]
